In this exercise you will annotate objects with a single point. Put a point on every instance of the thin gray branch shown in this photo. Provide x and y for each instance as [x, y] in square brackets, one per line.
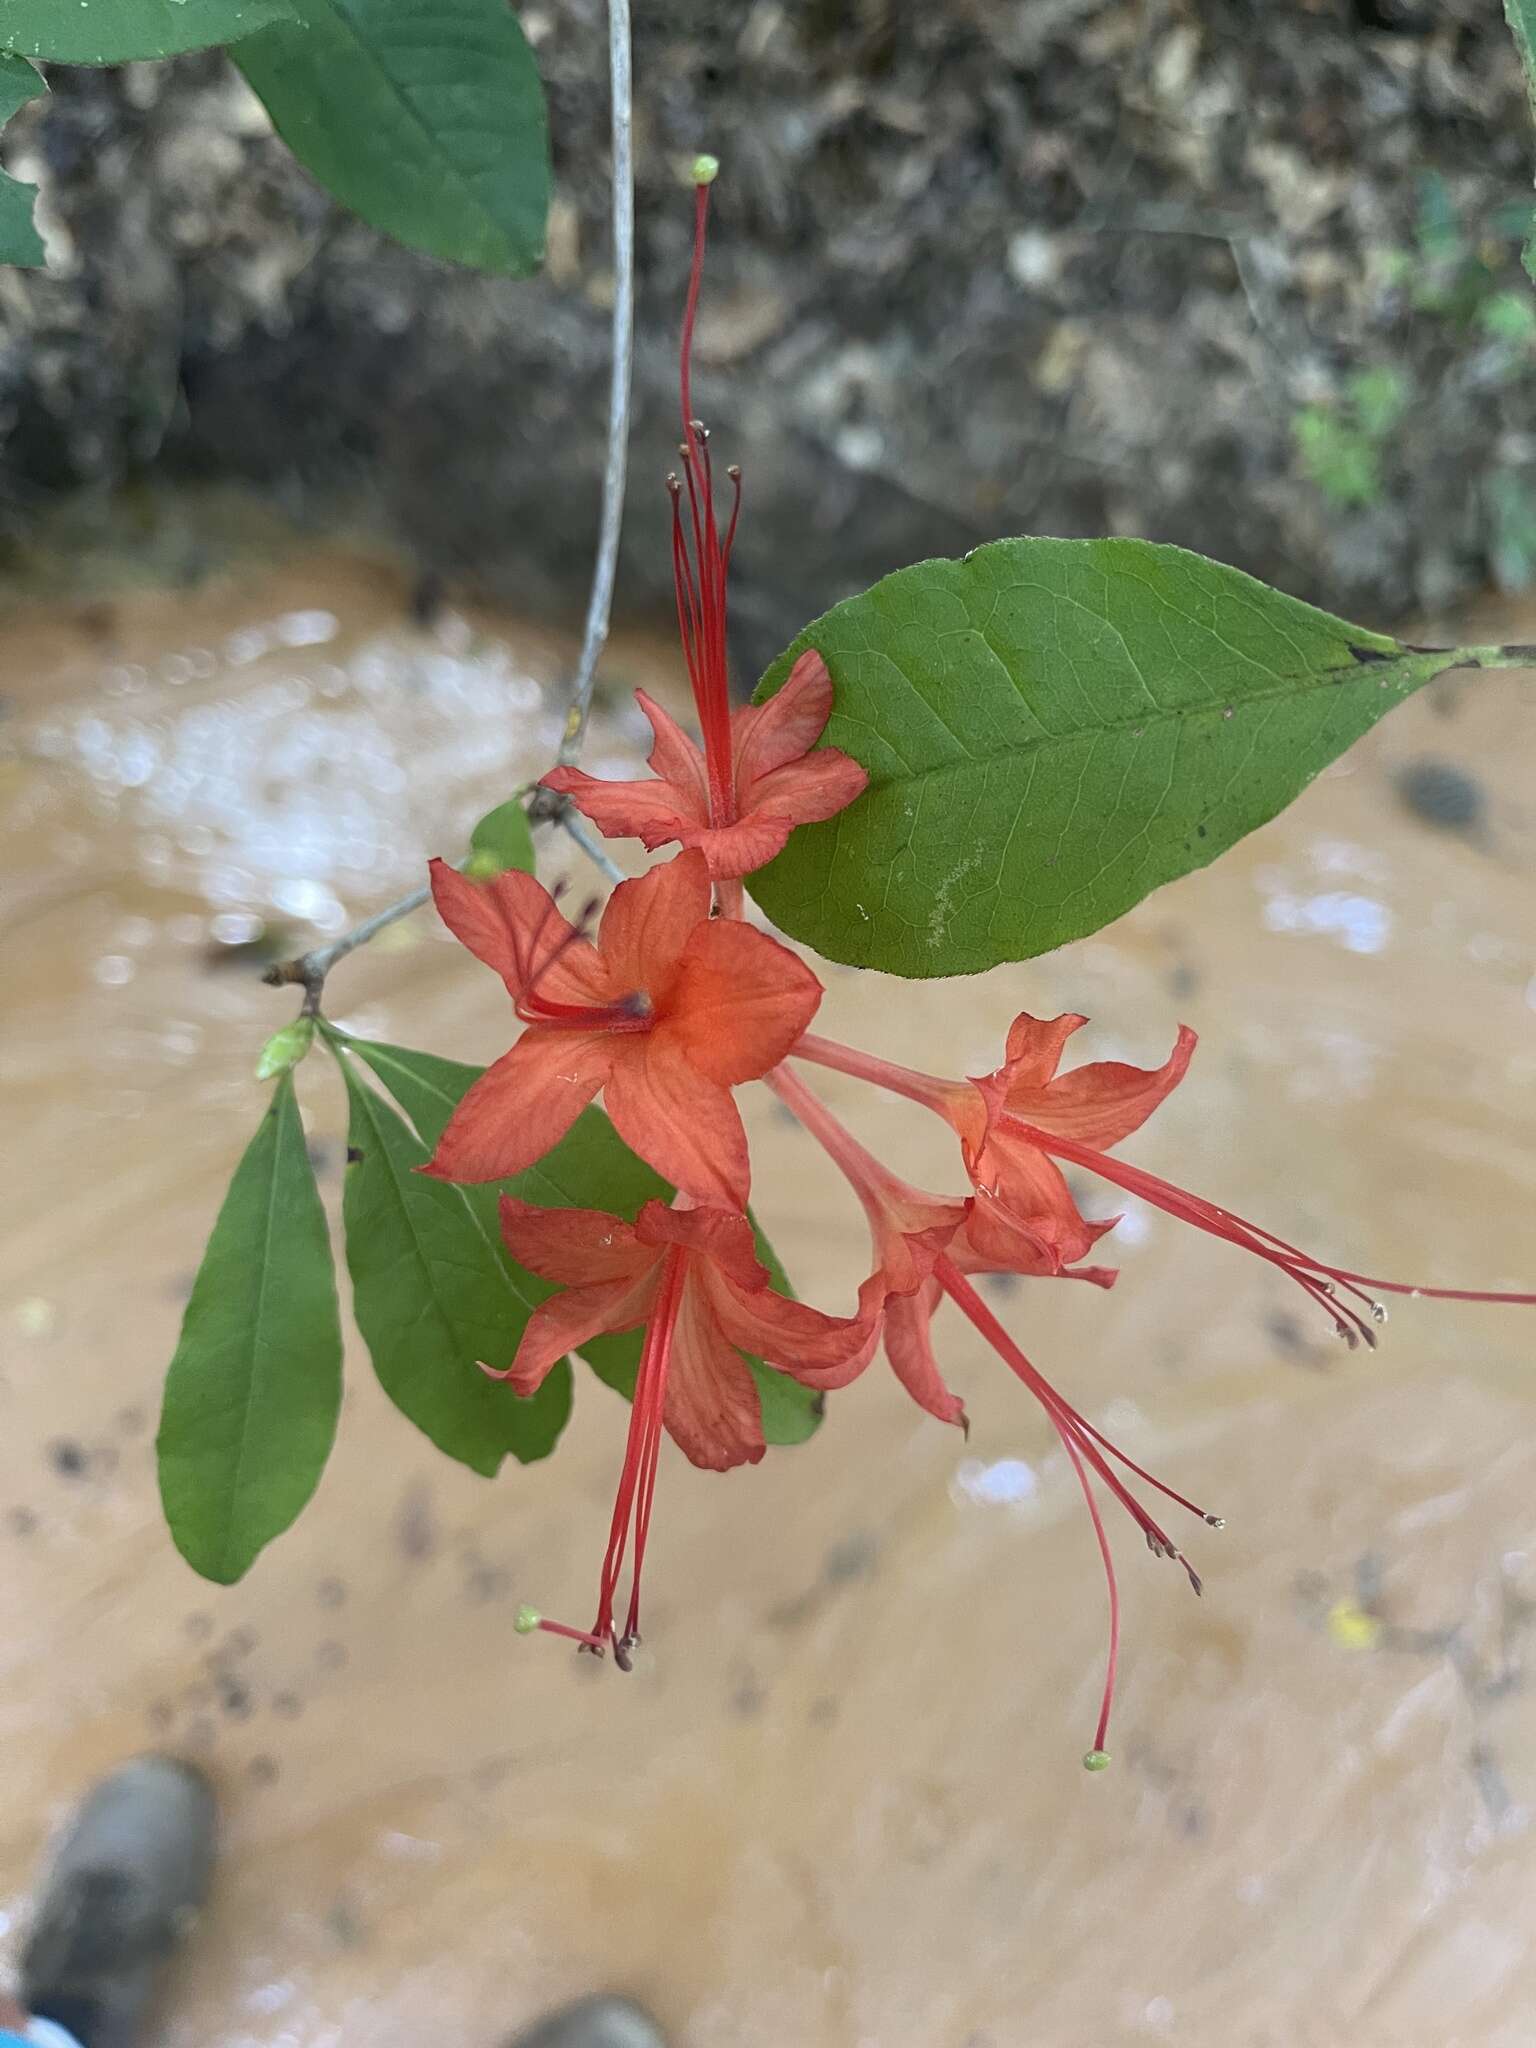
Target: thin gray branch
[600, 604]
[310, 969]
[577, 829]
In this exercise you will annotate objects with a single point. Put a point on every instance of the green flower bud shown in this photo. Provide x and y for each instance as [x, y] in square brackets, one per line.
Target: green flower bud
[285, 1048]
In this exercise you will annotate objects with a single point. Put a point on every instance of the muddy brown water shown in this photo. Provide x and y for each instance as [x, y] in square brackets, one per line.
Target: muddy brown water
[838, 1804]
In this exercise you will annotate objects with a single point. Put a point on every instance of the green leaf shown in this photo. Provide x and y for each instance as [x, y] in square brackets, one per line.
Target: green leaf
[434, 1293]
[117, 31]
[424, 116]
[1053, 729]
[591, 1168]
[19, 240]
[253, 1392]
[503, 839]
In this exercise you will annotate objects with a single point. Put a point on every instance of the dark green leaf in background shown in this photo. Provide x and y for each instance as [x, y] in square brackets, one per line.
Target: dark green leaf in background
[116, 31]
[503, 839]
[434, 1292]
[19, 240]
[424, 116]
[591, 1168]
[1052, 729]
[253, 1392]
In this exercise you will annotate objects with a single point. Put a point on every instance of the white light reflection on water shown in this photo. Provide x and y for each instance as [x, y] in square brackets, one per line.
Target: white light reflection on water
[998, 1482]
[270, 785]
[1360, 922]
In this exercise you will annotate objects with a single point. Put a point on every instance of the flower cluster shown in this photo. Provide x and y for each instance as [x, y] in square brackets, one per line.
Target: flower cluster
[673, 1004]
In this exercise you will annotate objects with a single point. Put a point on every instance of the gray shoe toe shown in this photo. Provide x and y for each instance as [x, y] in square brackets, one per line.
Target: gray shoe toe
[594, 2023]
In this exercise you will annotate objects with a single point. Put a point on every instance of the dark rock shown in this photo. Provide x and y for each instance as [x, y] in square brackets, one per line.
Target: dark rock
[1439, 794]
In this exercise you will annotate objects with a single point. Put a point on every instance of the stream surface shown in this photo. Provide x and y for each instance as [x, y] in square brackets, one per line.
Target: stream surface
[838, 1804]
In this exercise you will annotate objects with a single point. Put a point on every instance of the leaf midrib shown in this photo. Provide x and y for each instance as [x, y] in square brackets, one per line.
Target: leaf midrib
[1286, 690]
[258, 1344]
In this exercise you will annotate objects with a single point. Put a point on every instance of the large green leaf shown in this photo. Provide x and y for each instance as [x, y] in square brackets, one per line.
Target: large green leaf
[434, 1293]
[252, 1394]
[591, 1168]
[1052, 729]
[424, 116]
[116, 31]
[19, 240]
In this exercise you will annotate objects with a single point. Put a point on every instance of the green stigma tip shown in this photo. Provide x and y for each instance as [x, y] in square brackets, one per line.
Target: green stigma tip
[705, 170]
[527, 1620]
[1097, 1760]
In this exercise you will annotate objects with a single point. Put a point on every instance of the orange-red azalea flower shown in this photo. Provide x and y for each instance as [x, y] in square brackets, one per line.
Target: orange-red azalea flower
[1097, 1104]
[1017, 1185]
[1015, 1123]
[693, 1277]
[910, 1231]
[665, 1014]
[778, 782]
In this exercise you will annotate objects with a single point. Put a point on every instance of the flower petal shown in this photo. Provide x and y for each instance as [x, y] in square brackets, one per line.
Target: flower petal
[909, 1347]
[567, 1321]
[910, 1230]
[522, 1105]
[1104, 1102]
[576, 1247]
[1000, 1244]
[712, 1408]
[677, 759]
[1035, 1046]
[644, 810]
[766, 736]
[678, 1120]
[511, 922]
[1018, 1187]
[742, 848]
[815, 787]
[994, 1240]
[816, 1349]
[648, 922]
[722, 1236]
[739, 1002]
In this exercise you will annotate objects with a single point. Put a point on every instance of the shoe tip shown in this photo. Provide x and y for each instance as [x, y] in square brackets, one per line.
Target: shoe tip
[600, 2022]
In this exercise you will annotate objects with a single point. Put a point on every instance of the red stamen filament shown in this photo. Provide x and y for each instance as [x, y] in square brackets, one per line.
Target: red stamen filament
[632, 1012]
[1318, 1281]
[699, 575]
[1080, 1441]
[641, 1451]
[1083, 1443]
[637, 1481]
